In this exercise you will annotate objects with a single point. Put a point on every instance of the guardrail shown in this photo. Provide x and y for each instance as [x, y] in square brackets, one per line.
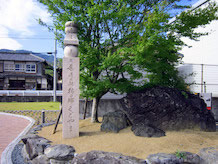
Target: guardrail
[48, 93]
[29, 93]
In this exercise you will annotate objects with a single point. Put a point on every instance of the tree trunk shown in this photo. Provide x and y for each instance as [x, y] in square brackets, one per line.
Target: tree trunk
[94, 117]
[85, 108]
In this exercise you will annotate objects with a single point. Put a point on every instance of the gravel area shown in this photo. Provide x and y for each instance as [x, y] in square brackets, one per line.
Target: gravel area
[126, 143]
[17, 157]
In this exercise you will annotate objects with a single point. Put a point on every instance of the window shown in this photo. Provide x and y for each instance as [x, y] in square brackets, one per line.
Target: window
[8, 66]
[30, 68]
[19, 67]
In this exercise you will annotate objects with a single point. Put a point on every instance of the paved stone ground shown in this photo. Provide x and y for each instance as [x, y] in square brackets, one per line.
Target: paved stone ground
[10, 128]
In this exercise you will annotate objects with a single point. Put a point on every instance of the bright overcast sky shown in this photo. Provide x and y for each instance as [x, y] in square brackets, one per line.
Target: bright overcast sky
[18, 19]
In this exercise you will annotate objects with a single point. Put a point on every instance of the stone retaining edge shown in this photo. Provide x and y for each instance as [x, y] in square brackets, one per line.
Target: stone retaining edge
[6, 154]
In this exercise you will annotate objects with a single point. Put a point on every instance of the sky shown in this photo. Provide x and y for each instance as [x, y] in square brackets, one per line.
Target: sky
[19, 28]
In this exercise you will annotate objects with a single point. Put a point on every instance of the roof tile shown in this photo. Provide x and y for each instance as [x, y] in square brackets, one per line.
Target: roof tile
[20, 57]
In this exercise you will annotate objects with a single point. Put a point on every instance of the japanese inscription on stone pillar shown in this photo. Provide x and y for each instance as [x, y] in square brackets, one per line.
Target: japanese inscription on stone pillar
[70, 97]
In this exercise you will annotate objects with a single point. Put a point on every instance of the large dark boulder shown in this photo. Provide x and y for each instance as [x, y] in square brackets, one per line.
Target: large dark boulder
[114, 122]
[101, 157]
[168, 109]
[146, 130]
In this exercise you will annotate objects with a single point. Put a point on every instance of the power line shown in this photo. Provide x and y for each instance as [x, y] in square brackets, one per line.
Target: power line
[200, 5]
[192, 9]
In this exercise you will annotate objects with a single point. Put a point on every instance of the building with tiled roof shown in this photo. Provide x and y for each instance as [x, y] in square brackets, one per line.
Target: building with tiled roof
[22, 70]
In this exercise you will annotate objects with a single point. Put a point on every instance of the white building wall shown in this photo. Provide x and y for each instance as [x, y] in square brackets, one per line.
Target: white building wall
[206, 49]
[44, 83]
[201, 75]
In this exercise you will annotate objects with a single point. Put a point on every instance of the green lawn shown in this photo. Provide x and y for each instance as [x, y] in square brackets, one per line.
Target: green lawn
[29, 105]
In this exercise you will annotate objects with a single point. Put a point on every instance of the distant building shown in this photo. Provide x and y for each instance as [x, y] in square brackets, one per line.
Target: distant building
[20, 70]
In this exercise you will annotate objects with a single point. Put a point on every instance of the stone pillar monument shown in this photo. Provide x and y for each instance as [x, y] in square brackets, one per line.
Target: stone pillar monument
[70, 97]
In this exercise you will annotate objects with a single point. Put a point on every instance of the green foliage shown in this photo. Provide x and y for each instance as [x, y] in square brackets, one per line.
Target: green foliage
[49, 70]
[59, 63]
[185, 94]
[157, 51]
[180, 154]
[121, 39]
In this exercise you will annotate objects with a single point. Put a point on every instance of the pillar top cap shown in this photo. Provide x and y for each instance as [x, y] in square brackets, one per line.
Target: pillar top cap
[71, 41]
[71, 24]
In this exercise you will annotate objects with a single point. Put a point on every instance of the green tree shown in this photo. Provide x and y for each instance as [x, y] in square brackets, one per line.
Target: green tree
[158, 46]
[119, 39]
[105, 28]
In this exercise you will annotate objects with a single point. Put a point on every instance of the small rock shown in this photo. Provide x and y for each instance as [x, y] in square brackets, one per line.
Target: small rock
[33, 132]
[209, 155]
[29, 136]
[60, 152]
[41, 159]
[35, 146]
[55, 161]
[47, 124]
[101, 157]
[146, 130]
[163, 158]
[191, 158]
[37, 128]
[114, 122]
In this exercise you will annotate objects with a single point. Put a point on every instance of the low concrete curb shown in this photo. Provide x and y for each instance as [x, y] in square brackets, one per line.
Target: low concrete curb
[6, 154]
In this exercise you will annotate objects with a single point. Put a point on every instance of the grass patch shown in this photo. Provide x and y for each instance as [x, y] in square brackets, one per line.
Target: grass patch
[29, 105]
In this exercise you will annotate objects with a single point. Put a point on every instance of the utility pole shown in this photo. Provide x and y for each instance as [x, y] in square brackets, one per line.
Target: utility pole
[55, 71]
[202, 77]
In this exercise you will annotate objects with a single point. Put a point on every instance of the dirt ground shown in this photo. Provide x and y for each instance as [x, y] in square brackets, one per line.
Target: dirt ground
[125, 142]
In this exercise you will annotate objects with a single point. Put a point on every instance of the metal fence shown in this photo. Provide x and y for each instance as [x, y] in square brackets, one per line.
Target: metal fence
[202, 77]
[44, 116]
